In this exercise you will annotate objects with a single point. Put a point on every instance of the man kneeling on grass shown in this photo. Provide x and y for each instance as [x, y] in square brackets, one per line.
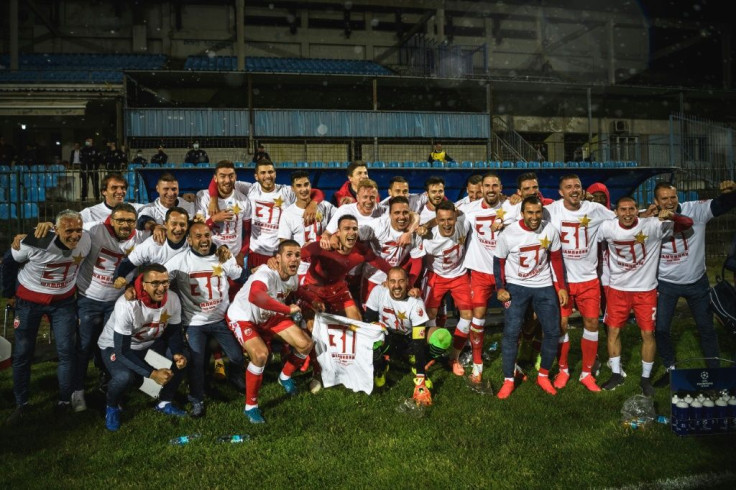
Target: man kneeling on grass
[150, 322]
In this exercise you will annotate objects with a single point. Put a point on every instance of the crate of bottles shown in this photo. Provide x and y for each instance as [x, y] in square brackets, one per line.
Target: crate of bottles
[703, 401]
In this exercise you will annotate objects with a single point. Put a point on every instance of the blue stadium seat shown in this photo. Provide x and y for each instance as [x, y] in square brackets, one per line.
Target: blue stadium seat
[133, 166]
[452, 165]
[437, 164]
[480, 164]
[317, 164]
[333, 164]
[377, 164]
[7, 211]
[345, 164]
[632, 164]
[29, 210]
[250, 165]
[507, 164]
[466, 164]
[533, 165]
[584, 164]
[187, 165]
[573, 164]
[423, 164]
[493, 164]
[547, 164]
[394, 164]
[520, 164]
[204, 165]
[618, 164]
[165, 165]
[596, 164]
[408, 164]
[609, 164]
[239, 164]
[691, 196]
[155, 165]
[559, 164]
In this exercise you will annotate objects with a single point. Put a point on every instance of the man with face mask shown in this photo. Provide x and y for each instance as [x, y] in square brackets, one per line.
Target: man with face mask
[200, 277]
[139, 159]
[196, 155]
[47, 284]
[160, 157]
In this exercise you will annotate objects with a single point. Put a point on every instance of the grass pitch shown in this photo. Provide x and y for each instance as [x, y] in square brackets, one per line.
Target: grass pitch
[347, 440]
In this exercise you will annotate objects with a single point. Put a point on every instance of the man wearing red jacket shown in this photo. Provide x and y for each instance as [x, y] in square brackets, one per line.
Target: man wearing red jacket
[347, 194]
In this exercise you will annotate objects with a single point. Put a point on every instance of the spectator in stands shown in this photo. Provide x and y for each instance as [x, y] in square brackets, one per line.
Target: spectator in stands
[196, 155]
[139, 159]
[346, 194]
[438, 154]
[160, 157]
[75, 159]
[91, 160]
[261, 154]
[7, 152]
[115, 159]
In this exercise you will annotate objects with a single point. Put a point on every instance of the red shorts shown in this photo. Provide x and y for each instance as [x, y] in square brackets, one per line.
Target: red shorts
[256, 259]
[586, 296]
[458, 287]
[482, 286]
[336, 297]
[244, 331]
[620, 303]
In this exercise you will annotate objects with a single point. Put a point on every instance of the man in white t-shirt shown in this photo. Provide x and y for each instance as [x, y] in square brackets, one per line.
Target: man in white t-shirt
[634, 246]
[577, 221]
[291, 225]
[405, 318]
[474, 192]
[260, 312]
[154, 213]
[399, 186]
[682, 272]
[230, 225]
[527, 261]
[47, 283]
[200, 277]
[152, 321]
[151, 251]
[114, 188]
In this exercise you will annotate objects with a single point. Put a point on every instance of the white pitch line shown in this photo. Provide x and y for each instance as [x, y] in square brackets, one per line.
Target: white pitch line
[702, 480]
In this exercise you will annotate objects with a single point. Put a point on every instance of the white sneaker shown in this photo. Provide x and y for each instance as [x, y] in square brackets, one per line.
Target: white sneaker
[78, 402]
[623, 373]
[315, 385]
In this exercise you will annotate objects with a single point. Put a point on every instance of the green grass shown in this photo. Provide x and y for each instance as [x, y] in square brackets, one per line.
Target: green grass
[342, 439]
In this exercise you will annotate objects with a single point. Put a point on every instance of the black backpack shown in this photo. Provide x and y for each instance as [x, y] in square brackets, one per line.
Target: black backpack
[723, 293]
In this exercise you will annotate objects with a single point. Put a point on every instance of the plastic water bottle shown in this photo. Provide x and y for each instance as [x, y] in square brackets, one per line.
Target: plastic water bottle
[688, 399]
[696, 417]
[493, 347]
[721, 416]
[681, 418]
[233, 438]
[708, 416]
[661, 419]
[182, 440]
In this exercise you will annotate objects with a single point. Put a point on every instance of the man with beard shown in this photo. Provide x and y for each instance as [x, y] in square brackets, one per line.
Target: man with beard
[231, 224]
[682, 271]
[526, 256]
[151, 251]
[152, 321]
[405, 317]
[577, 222]
[199, 276]
[634, 246]
[259, 312]
[292, 227]
[474, 192]
[47, 284]
[485, 219]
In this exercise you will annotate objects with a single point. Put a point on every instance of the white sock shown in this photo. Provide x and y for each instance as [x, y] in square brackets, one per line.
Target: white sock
[508, 379]
[162, 404]
[646, 369]
[250, 407]
[477, 368]
[616, 365]
[463, 325]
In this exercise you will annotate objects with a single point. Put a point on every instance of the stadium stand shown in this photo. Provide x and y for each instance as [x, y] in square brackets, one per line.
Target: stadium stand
[286, 65]
[76, 68]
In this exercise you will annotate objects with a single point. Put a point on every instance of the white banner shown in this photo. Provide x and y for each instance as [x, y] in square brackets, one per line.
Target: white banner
[345, 351]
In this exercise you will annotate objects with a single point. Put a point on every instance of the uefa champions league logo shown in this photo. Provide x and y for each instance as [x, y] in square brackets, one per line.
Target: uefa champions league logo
[704, 380]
